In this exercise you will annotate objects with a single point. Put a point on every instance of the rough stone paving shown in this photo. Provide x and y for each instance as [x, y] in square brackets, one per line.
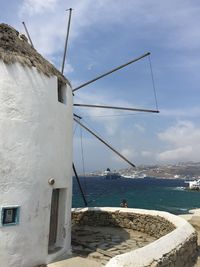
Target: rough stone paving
[103, 243]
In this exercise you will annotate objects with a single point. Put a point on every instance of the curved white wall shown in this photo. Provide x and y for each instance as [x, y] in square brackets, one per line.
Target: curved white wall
[35, 145]
[181, 240]
[176, 245]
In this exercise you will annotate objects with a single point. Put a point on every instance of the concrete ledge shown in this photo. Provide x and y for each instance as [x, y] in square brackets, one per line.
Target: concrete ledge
[177, 248]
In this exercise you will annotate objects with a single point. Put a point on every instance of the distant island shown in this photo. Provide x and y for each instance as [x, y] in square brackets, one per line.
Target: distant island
[183, 170]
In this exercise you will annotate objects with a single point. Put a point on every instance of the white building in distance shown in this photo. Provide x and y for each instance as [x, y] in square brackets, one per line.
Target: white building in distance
[35, 155]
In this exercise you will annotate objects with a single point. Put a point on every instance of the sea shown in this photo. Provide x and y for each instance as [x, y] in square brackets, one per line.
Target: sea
[145, 193]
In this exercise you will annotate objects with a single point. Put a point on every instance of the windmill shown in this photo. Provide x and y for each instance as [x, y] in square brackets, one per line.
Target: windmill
[77, 118]
[36, 151]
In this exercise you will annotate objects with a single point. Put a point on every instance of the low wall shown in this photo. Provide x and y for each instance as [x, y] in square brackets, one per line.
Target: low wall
[176, 245]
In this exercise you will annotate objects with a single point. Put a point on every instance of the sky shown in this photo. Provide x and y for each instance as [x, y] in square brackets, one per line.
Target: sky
[105, 34]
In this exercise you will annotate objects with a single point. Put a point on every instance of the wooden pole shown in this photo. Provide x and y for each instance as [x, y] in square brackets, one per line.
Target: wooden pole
[79, 184]
[66, 40]
[119, 108]
[111, 71]
[27, 34]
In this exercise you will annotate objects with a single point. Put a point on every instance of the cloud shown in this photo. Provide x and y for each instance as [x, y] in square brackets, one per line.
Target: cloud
[180, 154]
[91, 65]
[146, 154]
[184, 133]
[178, 19]
[186, 112]
[107, 118]
[68, 69]
[32, 7]
[140, 128]
[46, 22]
[183, 142]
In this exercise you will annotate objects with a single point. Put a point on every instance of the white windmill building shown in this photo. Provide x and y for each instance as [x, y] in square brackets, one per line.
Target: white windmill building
[36, 120]
[35, 155]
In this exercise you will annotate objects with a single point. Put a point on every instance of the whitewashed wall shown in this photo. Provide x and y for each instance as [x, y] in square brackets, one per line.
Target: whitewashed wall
[35, 145]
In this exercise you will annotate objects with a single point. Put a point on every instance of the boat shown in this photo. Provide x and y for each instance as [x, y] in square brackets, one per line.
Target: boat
[111, 175]
[142, 175]
[193, 185]
[132, 176]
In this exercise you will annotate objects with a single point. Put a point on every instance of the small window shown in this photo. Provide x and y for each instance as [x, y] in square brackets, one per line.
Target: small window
[62, 96]
[9, 216]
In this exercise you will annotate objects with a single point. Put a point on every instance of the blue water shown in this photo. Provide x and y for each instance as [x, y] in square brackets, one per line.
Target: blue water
[148, 193]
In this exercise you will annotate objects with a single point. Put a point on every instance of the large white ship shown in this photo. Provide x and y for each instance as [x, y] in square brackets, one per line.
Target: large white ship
[111, 175]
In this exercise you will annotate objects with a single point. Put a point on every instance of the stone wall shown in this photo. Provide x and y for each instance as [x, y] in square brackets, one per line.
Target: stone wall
[176, 245]
[183, 255]
[155, 226]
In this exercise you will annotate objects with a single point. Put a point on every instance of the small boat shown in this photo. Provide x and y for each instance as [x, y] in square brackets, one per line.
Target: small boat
[193, 185]
[128, 176]
[111, 175]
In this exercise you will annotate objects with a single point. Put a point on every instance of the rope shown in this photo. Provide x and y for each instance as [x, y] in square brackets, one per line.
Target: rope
[153, 82]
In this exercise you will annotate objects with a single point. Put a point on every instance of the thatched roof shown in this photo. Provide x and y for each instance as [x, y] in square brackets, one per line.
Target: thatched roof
[15, 48]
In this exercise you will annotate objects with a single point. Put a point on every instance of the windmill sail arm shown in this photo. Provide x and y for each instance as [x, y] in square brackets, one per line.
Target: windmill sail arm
[79, 185]
[66, 40]
[27, 32]
[104, 142]
[118, 108]
[111, 71]
[75, 115]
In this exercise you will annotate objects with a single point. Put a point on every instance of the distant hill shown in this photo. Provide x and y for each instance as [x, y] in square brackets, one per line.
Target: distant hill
[185, 170]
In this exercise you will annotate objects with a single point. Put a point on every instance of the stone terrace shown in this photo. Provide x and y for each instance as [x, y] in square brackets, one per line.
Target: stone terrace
[118, 237]
[101, 243]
